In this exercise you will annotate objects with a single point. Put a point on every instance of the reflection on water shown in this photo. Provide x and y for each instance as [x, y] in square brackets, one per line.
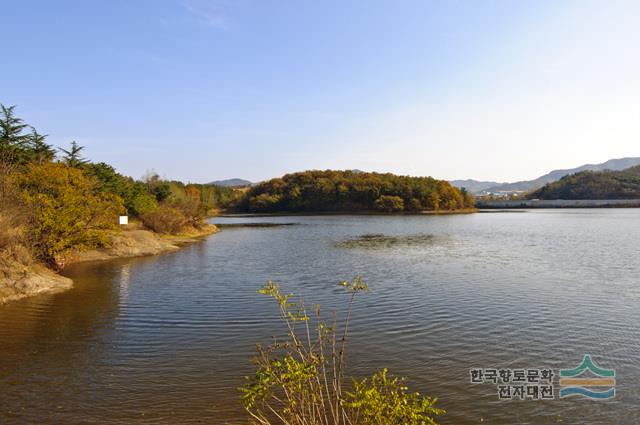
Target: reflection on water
[168, 339]
[124, 278]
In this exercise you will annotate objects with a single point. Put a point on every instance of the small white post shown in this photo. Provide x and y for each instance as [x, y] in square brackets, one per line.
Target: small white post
[124, 220]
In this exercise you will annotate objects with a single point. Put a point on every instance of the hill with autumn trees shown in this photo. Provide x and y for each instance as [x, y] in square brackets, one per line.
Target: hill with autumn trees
[623, 184]
[351, 191]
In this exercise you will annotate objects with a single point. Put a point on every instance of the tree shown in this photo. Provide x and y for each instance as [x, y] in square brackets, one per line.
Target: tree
[623, 184]
[135, 195]
[13, 141]
[65, 211]
[18, 147]
[433, 202]
[389, 204]
[39, 151]
[265, 203]
[72, 157]
[156, 186]
[332, 190]
[140, 201]
[414, 205]
[468, 198]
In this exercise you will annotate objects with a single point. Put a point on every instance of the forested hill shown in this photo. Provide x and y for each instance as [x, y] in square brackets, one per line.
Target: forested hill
[335, 191]
[623, 184]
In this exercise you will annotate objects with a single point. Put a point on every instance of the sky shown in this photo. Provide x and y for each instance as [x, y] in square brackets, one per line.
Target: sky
[200, 90]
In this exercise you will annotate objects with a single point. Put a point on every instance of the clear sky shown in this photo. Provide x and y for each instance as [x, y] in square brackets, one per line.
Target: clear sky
[208, 89]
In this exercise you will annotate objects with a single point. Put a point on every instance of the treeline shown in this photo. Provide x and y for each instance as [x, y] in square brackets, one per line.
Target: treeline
[53, 201]
[623, 184]
[349, 191]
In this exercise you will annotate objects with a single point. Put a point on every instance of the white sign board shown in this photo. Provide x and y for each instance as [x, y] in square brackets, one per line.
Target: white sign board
[124, 219]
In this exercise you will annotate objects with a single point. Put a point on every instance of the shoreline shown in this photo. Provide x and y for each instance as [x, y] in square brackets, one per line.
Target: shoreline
[22, 281]
[135, 242]
[26, 281]
[364, 213]
[558, 203]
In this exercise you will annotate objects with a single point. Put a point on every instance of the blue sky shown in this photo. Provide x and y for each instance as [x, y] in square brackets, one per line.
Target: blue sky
[207, 89]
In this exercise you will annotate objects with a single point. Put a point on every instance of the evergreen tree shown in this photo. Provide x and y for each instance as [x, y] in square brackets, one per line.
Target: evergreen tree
[40, 151]
[12, 139]
[72, 157]
[156, 186]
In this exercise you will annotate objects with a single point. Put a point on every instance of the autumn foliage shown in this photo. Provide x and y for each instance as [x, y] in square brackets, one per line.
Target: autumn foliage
[65, 210]
[51, 207]
[350, 191]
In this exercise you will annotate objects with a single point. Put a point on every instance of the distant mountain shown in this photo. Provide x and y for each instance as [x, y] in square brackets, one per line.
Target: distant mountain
[232, 182]
[555, 175]
[473, 186]
[607, 184]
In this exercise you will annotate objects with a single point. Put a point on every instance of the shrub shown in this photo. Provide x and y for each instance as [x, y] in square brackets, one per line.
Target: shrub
[300, 380]
[65, 212]
[192, 211]
[165, 219]
[384, 400]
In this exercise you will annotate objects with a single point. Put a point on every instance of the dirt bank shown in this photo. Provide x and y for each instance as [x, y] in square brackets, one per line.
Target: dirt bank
[19, 281]
[139, 243]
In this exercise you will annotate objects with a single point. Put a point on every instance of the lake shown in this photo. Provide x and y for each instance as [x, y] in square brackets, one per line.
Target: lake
[168, 339]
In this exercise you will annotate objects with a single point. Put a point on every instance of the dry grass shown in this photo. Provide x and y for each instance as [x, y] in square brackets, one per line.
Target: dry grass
[13, 246]
[15, 257]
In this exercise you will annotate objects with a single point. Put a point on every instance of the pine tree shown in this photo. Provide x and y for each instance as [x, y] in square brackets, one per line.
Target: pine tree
[12, 139]
[40, 151]
[72, 157]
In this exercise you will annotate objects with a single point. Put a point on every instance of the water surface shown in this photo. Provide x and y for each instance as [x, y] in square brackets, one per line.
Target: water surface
[168, 339]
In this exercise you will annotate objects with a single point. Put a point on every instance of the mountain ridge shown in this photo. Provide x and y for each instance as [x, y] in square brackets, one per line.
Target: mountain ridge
[234, 182]
[476, 186]
[587, 184]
